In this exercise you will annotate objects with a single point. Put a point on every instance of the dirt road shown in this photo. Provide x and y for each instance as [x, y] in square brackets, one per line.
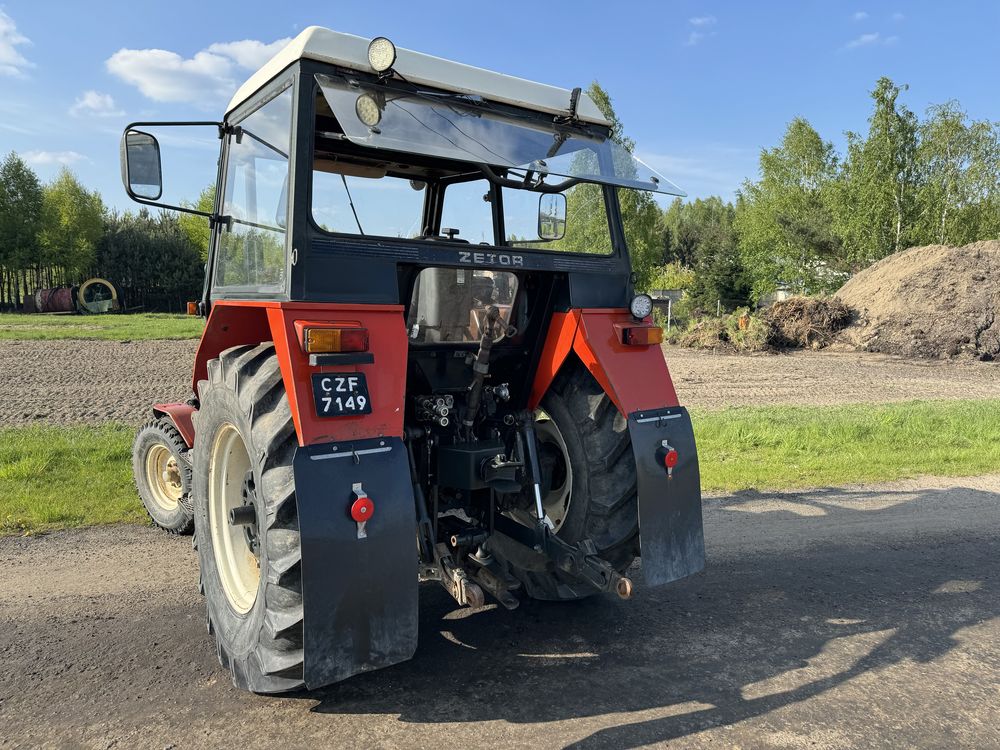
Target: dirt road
[833, 618]
[100, 381]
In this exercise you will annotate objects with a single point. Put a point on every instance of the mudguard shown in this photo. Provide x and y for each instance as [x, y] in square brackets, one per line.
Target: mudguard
[671, 534]
[359, 594]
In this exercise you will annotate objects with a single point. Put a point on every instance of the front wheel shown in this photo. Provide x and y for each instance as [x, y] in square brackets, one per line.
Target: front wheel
[162, 473]
[589, 488]
[246, 520]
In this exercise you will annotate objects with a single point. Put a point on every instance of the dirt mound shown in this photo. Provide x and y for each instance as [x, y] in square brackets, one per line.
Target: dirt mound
[807, 322]
[934, 301]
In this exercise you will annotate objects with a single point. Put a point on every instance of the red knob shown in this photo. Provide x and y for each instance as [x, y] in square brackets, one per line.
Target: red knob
[670, 458]
[362, 509]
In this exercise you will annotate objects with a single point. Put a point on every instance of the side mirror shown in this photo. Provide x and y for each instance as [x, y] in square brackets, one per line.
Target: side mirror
[141, 170]
[551, 216]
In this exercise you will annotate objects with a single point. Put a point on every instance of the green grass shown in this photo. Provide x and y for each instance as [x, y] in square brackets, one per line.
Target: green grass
[135, 327]
[56, 477]
[795, 446]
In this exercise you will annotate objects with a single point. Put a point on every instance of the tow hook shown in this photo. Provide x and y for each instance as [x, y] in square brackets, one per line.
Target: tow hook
[581, 560]
[456, 581]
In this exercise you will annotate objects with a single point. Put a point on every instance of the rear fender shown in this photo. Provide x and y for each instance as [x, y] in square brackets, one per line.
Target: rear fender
[236, 322]
[180, 415]
[636, 378]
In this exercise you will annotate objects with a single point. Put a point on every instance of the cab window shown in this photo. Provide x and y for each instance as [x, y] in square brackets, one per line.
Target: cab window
[250, 250]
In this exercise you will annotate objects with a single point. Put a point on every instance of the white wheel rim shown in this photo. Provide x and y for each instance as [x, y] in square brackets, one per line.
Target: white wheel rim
[238, 568]
[557, 500]
[163, 477]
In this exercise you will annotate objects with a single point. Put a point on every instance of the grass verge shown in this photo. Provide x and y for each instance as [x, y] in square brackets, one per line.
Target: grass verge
[784, 447]
[135, 327]
[57, 477]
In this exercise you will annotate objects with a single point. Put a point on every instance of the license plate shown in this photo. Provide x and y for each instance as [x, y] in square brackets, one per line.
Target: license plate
[341, 394]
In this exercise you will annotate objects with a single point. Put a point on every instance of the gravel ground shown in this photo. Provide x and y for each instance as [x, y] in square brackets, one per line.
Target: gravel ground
[856, 617]
[98, 381]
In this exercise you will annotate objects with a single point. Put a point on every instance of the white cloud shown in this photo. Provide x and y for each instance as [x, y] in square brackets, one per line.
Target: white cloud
[46, 158]
[213, 73]
[860, 15]
[702, 21]
[249, 53]
[12, 62]
[897, 16]
[94, 103]
[874, 39]
[694, 37]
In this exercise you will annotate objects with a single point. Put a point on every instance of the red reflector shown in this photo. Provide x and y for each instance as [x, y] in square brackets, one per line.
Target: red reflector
[362, 509]
[670, 458]
[354, 340]
[643, 335]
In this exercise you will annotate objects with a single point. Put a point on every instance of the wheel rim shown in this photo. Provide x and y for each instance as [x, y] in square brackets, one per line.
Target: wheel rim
[238, 565]
[163, 476]
[557, 499]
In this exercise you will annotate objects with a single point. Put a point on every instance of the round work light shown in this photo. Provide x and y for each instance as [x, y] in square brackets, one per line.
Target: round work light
[368, 110]
[641, 306]
[381, 54]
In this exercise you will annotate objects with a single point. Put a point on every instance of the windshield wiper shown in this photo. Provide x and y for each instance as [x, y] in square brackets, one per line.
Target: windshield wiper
[350, 201]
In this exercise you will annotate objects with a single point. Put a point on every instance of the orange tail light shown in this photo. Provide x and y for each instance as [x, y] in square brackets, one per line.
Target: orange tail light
[642, 335]
[334, 340]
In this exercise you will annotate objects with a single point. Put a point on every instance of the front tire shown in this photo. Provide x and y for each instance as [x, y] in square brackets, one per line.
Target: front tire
[251, 572]
[162, 471]
[602, 501]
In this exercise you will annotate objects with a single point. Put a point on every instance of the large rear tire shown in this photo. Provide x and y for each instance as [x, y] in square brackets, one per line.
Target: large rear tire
[161, 467]
[592, 437]
[251, 573]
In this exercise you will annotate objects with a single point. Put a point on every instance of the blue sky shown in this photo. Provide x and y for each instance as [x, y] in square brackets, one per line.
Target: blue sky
[701, 86]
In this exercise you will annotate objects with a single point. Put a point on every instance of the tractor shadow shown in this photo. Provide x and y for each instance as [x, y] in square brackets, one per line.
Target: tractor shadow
[802, 594]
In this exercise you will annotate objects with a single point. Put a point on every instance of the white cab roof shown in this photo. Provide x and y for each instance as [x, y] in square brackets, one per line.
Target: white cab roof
[349, 51]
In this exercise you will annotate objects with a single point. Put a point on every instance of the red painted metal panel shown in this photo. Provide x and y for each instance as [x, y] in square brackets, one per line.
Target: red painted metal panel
[180, 415]
[231, 323]
[235, 322]
[558, 344]
[635, 377]
[386, 376]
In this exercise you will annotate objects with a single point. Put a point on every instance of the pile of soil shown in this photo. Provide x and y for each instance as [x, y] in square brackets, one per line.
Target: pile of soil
[932, 302]
[805, 322]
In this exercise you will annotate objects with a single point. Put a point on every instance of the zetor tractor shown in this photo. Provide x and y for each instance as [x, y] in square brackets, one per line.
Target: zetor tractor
[424, 360]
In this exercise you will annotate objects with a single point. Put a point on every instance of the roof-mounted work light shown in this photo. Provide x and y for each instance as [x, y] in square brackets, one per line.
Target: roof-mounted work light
[381, 54]
[368, 110]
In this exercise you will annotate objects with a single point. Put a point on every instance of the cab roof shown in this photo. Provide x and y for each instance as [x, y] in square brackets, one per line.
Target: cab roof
[350, 51]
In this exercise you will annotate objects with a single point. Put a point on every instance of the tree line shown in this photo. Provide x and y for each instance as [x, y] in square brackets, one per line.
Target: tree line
[810, 219]
[60, 234]
[813, 217]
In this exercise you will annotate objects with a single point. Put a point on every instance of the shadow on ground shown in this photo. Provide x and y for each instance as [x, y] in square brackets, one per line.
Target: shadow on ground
[801, 596]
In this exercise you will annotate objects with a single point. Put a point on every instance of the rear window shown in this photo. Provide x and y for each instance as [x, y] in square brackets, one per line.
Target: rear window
[381, 206]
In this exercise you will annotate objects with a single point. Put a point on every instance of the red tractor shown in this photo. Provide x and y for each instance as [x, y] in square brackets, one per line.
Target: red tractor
[424, 360]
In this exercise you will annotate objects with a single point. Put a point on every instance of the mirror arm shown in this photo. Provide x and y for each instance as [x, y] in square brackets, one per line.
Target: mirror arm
[208, 215]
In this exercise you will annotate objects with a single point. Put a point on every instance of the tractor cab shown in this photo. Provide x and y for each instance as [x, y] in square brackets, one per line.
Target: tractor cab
[421, 326]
